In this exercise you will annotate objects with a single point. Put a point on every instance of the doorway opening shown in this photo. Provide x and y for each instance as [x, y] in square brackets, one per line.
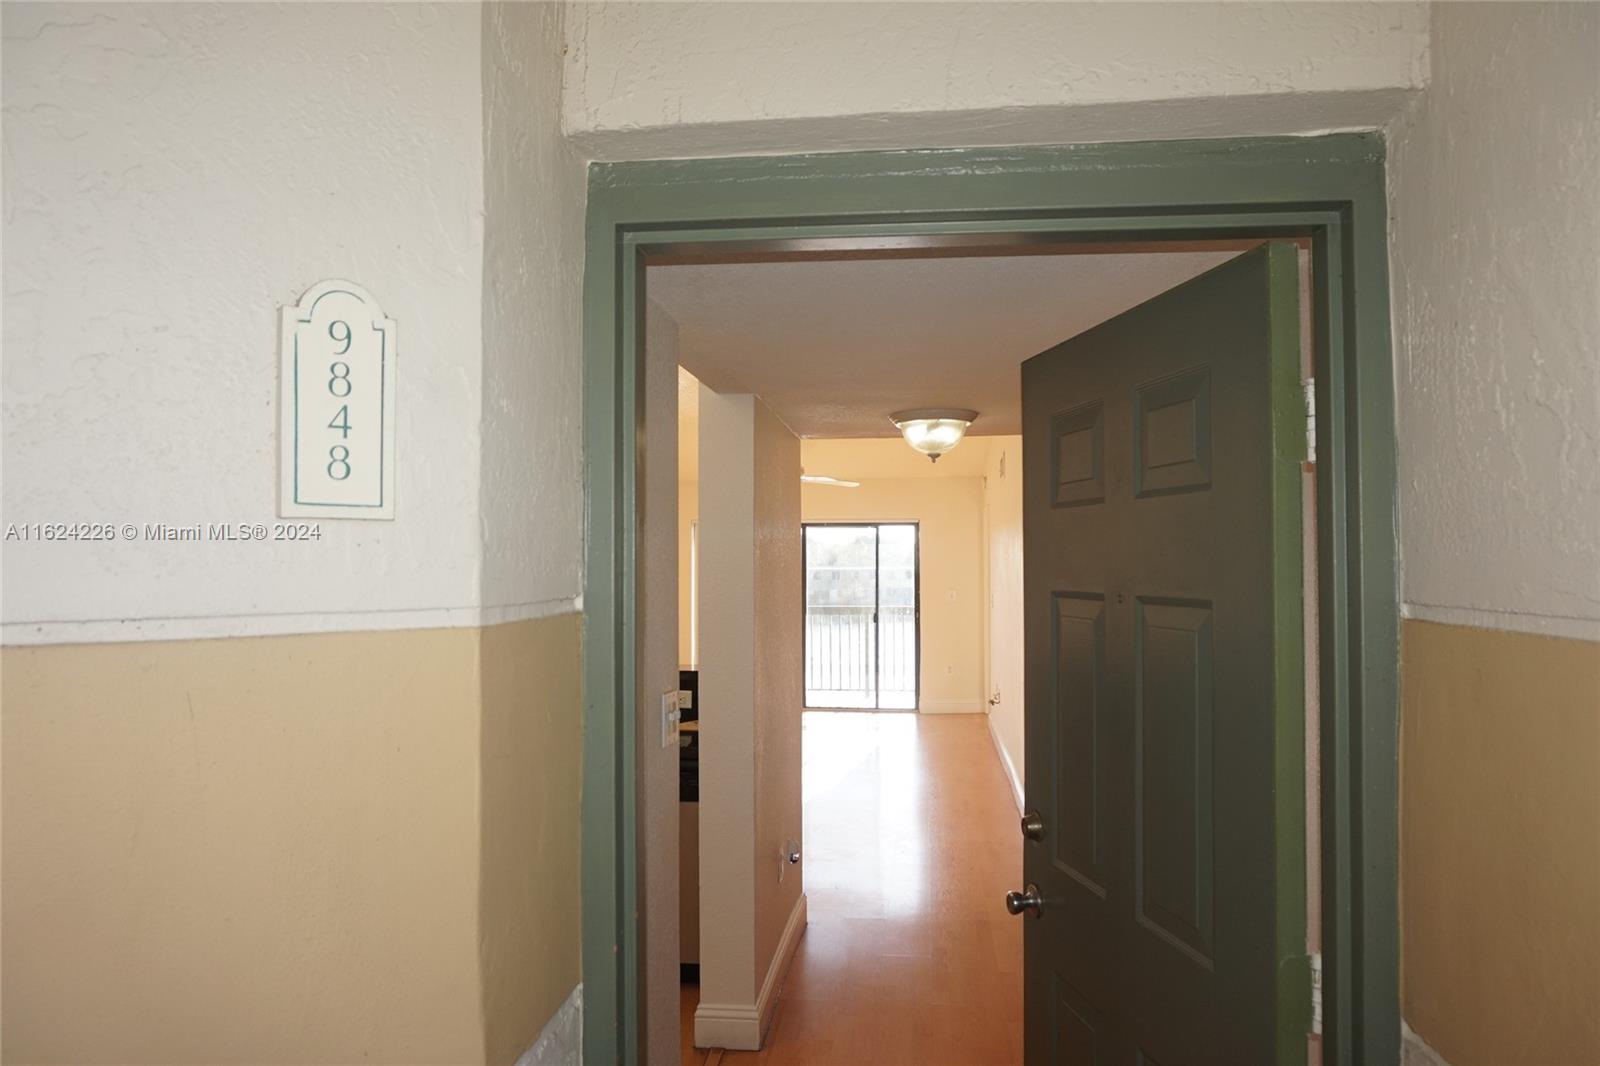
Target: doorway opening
[1328, 193]
[863, 607]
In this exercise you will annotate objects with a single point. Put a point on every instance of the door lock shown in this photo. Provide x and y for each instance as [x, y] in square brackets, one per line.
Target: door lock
[1026, 900]
[1032, 826]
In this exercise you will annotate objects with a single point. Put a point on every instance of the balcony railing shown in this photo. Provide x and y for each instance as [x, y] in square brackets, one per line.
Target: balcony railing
[852, 661]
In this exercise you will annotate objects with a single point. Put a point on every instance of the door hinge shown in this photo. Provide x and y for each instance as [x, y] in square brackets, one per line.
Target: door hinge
[1316, 993]
[1310, 387]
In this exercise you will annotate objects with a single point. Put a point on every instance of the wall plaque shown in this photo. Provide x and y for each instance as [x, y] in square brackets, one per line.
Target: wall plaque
[336, 366]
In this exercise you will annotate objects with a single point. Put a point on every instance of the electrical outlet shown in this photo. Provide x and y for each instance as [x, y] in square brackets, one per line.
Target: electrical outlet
[670, 716]
[685, 699]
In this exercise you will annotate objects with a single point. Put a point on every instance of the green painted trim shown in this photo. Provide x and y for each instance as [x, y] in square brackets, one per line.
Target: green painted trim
[1288, 624]
[1331, 188]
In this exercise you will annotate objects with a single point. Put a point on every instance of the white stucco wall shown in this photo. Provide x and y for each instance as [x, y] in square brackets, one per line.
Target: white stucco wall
[653, 79]
[171, 179]
[532, 432]
[1495, 183]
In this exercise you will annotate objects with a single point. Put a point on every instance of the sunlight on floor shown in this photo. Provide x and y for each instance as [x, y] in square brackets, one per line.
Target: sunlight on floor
[910, 846]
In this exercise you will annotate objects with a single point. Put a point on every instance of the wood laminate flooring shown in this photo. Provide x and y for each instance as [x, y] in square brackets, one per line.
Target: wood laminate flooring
[909, 957]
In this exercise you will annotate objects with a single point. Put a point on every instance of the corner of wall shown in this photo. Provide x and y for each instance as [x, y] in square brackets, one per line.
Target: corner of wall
[531, 524]
[534, 195]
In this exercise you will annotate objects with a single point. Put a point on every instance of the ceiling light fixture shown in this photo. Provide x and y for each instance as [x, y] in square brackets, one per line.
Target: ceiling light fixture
[822, 479]
[933, 430]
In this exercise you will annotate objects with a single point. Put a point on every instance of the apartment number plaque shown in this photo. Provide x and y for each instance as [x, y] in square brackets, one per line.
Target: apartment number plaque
[336, 369]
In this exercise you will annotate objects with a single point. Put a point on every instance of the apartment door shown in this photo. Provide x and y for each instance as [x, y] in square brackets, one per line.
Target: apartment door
[862, 633]
[1165, 906]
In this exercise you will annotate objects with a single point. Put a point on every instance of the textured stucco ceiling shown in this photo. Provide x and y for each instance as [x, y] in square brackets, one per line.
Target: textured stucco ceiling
[833, 347]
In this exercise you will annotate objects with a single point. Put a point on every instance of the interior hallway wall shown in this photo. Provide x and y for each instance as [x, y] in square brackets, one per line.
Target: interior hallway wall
[1495, 186]
[750, 712]
[1002, 537]
[531, 540]
[688, 507]
[949, 511]
[658, 674]
[688, 515]
[262, 849]
[534, 193]
[727, 700]
[339, 843]
[779, 686]
[166, 191]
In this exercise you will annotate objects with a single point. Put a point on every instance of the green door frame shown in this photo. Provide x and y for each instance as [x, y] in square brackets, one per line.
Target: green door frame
[1330, 189]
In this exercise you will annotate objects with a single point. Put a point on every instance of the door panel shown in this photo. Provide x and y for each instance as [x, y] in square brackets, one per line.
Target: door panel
[1080, 1030]
[1174, 834]
[1163, 616]
[1079, 680]
[1079, 456]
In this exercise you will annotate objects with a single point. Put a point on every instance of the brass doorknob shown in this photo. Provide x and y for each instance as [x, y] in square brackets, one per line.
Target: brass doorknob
[1026, 900]
[1033, 826]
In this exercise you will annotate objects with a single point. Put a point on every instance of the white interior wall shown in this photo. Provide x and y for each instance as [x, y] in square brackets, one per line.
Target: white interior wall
[1495, 190]
[170, 182]
[779, 684]
[664, 79]
[750, 695]
[534, 194]
[727, 575]
[167, 190]
[1004, 678]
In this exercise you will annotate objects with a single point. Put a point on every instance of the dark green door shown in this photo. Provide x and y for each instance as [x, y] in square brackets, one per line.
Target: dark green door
[1165, 707]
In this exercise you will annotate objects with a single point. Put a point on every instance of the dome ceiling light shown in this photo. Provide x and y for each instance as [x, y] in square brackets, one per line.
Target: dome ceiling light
[933, 430]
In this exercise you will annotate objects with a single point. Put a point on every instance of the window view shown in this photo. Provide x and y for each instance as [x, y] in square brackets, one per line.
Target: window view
[861, 616]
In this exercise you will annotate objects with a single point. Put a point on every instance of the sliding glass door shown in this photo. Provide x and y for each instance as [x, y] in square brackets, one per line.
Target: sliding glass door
[861, 636]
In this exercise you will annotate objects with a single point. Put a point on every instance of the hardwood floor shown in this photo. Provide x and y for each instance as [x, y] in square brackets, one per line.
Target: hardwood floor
[911, 842]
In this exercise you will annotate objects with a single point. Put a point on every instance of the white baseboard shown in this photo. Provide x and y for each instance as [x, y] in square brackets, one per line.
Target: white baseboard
[949, 707]
[1414, 1051]
[1006, 764]
[727, 1025]
[741, 1026]
[560, 1043]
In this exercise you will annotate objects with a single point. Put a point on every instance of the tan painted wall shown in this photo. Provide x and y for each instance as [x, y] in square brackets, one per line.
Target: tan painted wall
[779, 679]
[688, 514]
[270, 849]
[531, 759]
[688, 506]
[727, 695]
[950, 511]
[1500, 845]
[1002, 535]
[750, 688]
[657, 674]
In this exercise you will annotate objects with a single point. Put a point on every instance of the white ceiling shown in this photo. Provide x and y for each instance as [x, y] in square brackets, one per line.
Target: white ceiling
[833, 347]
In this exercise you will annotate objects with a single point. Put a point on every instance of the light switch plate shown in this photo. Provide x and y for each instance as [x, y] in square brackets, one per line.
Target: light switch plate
[670, 715]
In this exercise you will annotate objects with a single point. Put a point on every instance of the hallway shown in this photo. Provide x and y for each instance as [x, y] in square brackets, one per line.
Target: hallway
[911, 844]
